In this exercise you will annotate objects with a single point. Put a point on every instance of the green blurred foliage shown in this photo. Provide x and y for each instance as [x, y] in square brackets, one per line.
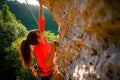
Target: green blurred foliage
[25, 74]
[50, 36]
[10, 28]
[10, 31]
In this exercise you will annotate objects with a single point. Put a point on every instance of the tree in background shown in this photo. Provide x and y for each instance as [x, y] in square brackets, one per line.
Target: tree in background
[50, 36]
[10, 30]
[7, 15]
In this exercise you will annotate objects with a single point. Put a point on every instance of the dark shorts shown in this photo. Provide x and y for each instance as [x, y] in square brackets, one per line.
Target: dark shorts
[45, 78]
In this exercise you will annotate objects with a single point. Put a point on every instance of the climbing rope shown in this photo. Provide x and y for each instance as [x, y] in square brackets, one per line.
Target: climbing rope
[31, 12]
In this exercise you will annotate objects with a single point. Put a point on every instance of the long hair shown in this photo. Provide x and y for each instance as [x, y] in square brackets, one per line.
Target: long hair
[25, 49]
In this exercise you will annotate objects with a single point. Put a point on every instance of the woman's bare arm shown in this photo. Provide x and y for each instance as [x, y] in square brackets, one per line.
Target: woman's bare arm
[50, 60]
[41, 13]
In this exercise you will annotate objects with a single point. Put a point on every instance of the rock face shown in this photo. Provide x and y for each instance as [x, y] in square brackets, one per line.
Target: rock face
[89, 36]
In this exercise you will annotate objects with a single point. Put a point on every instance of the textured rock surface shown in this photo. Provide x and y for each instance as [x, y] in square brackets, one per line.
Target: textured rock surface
[89, 36]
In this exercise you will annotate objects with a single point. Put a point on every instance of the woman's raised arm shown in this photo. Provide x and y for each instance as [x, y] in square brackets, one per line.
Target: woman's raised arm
[41, 19]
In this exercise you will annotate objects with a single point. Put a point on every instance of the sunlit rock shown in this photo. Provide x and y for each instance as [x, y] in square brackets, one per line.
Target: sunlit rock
[89, 36]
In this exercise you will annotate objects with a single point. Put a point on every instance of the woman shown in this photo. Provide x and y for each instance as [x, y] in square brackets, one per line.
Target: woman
[43, 50]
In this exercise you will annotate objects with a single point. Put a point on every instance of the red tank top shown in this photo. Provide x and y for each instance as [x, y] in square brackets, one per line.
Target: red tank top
[42, 51]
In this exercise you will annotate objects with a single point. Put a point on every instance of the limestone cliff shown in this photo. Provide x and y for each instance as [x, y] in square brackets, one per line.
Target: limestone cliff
[89, 36]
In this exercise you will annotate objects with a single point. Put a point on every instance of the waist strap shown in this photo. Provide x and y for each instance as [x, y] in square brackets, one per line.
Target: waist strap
[43, 71]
